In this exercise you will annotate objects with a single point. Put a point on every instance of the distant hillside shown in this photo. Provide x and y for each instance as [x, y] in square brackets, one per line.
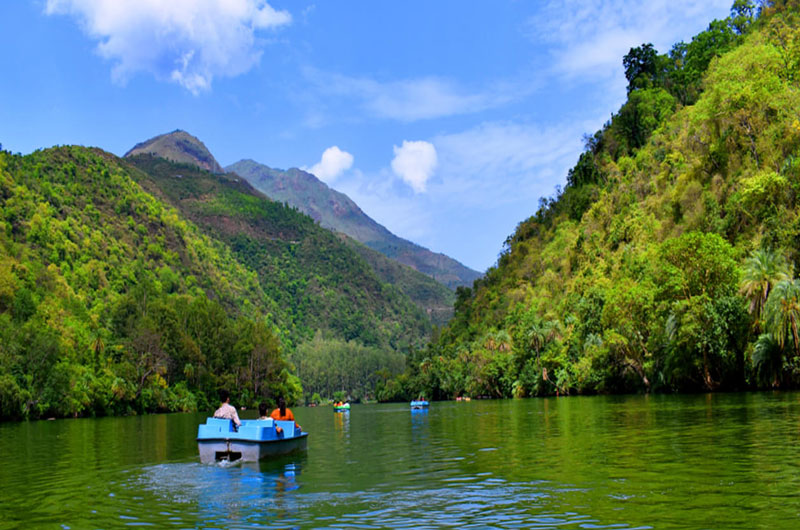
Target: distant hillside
[432, 297]
[318, 282]
[338, 212]
[178, 146]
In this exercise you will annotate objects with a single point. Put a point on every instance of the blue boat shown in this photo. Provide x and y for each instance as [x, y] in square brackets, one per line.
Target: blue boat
[419, 404]
[254, 440]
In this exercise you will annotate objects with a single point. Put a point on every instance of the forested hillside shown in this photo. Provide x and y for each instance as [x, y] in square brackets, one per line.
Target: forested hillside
[304, 192]
[668, 262]
[112, 302]
[149, 287]
[318, 282]
[336, 211]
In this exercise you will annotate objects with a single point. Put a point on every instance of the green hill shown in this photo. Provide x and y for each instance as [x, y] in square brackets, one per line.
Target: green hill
[111, 302]
[318, 282]
[666, 263]
[336, 211]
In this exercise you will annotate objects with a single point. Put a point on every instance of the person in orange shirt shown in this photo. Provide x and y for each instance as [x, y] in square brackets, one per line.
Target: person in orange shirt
[283, 413]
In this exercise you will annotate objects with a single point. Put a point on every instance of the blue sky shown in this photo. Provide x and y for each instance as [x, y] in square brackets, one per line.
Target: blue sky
[445, 120]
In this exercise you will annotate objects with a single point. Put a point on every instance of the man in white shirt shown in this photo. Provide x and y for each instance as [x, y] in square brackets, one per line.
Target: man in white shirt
[226, 410]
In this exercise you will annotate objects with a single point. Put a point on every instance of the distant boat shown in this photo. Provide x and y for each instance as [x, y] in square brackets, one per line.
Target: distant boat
[254, 440]
[342, 408]
[419, 404]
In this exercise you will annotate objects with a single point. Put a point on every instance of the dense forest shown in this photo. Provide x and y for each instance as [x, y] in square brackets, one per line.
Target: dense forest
[111, 303]
[668, 261]
[128, 289]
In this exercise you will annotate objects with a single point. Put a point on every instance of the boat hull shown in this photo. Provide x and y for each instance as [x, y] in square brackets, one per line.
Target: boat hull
[253, 440]
[248, 451]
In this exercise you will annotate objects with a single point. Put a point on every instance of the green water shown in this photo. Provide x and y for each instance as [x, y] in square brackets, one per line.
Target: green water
[706, 461]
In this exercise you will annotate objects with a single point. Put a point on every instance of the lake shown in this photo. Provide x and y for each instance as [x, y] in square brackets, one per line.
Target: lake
[722, 461]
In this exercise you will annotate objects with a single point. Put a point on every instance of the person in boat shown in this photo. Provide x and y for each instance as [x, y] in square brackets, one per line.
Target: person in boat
[283, 413]
[226, 410]
[262, 411]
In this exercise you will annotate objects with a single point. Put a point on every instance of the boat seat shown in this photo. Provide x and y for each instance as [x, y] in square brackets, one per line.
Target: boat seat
[220, 425]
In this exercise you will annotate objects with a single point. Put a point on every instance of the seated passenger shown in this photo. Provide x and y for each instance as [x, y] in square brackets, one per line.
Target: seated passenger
[262, 411]
[282, 413]
[225, 410]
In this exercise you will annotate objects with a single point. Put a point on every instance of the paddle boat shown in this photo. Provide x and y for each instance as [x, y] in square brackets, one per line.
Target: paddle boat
[254, 440]
[342, 408]
[419, 404]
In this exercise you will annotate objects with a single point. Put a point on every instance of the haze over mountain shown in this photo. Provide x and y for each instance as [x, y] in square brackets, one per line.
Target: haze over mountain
[336, 211]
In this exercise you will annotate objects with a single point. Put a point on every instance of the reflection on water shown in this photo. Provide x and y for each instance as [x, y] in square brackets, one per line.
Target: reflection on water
[666, 462]
[341, 421]
[225, 493]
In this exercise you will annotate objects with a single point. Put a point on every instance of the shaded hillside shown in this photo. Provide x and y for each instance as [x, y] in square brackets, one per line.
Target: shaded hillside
[667, 262]
[178, 146]
[433, 297]
[318, 282]
[338, 212]
[112, 302]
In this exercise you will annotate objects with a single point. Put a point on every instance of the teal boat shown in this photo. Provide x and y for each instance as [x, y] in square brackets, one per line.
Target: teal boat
[254, 440]
[419, 404]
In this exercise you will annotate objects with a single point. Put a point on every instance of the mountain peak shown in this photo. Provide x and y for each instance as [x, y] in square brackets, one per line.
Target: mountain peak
[178, 146]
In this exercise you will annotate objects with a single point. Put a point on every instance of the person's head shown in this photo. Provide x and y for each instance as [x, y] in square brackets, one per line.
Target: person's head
[224, 396]
[282, 405]
[262, 409]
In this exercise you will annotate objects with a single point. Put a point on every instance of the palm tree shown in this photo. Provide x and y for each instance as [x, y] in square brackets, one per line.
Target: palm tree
[540, 332]
[767, 360]
[762, 270]
[782, 313]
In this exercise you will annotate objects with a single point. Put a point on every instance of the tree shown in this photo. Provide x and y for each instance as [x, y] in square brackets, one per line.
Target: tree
[742, 15]
[762, 270]
[782, 314]
[640, 67]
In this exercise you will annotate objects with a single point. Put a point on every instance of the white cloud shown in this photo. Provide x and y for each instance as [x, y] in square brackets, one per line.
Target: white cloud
[188, 42]
[333, 163]
[590, 38]
[415, 162]
[506, 163]
[409, 100]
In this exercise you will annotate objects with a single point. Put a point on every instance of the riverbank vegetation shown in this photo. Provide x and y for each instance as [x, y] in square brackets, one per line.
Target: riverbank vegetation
[669, 260]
